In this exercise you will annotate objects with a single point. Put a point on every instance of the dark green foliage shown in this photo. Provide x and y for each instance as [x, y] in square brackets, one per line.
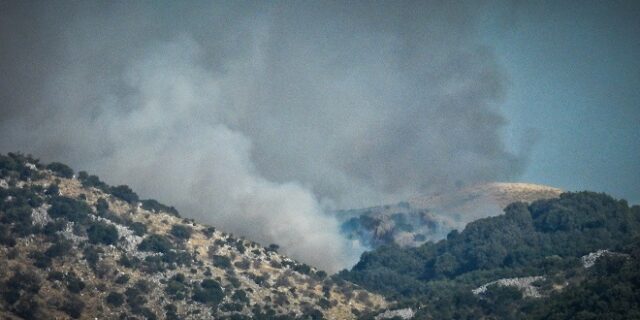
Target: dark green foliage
[240, 247]
[181, 231]
[222, 262]
[240, 296]
[70, 209]
[55, 275]
[53, 190]
[18, 284]
[176, 287]
[40, 259]
[128, 262]
[155, 243]
[27, 308]
[122, 279]
[92, 181]
[209, 231]
[115, 299]
[102, 206]
[136, 296]
[73, 283]
[102, 233]
[61, 170]
[546, 237]
[92, 255]
[209, 292]
[302, 268]
[73, 306]
[138, 228]
[125, 193]
[59, 248]
[273, 247]
[230, 307]
[155, 206]
[611, 290]
[19, 219]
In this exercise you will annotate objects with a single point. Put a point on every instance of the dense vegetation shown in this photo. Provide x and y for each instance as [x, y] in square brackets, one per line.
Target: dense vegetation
[546, 238]
[72, 246]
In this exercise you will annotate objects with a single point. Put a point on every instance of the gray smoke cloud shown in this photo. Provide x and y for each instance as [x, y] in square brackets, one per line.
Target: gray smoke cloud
[258, 117]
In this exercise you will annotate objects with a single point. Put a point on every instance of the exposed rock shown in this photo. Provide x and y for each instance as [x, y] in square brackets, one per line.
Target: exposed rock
[406, 313]
[524, 284]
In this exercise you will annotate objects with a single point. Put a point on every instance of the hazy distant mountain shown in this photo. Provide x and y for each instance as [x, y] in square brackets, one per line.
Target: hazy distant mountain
[73, 247]
[432, 216]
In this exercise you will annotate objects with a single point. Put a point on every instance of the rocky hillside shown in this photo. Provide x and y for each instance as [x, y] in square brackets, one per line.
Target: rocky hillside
[73, 247]
[432, 216]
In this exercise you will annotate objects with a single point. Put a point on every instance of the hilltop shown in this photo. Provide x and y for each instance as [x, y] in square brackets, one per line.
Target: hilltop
[429, 217]
[72, 246]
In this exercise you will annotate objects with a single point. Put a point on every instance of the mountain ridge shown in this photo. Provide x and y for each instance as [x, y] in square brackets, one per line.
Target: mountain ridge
[92, 250]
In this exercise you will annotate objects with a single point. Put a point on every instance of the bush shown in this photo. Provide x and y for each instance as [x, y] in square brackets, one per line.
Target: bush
[61, 170]
[221, 262]
[74, 284]
[89, 181]
[71, 209]
[138, 228]
[181, 231]
[59, 248]
[209, 292]
[102, 233]
[115, 299]
[125, 193]
[73, 307]
[155, 243]
[155, 206]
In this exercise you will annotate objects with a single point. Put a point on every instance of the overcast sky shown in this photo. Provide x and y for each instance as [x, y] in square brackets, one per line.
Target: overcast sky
[262, 117]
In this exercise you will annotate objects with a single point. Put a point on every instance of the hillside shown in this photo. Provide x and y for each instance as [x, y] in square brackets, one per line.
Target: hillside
[73, 247]
[430, 217]
[551, 259]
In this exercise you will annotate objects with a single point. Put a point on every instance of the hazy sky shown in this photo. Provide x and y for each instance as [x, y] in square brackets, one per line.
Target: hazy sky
[574, 77]
[261, 117]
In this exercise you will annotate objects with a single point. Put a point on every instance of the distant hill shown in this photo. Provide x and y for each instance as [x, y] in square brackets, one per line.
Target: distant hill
[572, 257]
[430, 217]
[72, 246]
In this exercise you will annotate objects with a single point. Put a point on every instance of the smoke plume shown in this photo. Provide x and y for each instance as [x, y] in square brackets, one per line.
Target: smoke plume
[257, 117]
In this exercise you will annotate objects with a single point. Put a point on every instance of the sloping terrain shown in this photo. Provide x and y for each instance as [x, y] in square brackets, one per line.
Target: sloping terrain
[430, 217]
[73, 247]
[573, 257]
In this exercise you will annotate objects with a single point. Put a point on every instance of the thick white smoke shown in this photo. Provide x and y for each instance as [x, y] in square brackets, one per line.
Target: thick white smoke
[257, 117]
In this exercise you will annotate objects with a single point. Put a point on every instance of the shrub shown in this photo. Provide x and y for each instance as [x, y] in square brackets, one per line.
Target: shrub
[73, 307]
[155, 243]
[125, 193]
[155, 206]
[103, 233]
[240, 296]
[102, 206]
[209, 292]
[91, 181]
[209, 231]
[74, 284]
[222, 262]
[61, 170]
[181, 231]
[115, 299]
[138, 228]
[71, 209]
[53, 190]
[40, 260]
[122, 279]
